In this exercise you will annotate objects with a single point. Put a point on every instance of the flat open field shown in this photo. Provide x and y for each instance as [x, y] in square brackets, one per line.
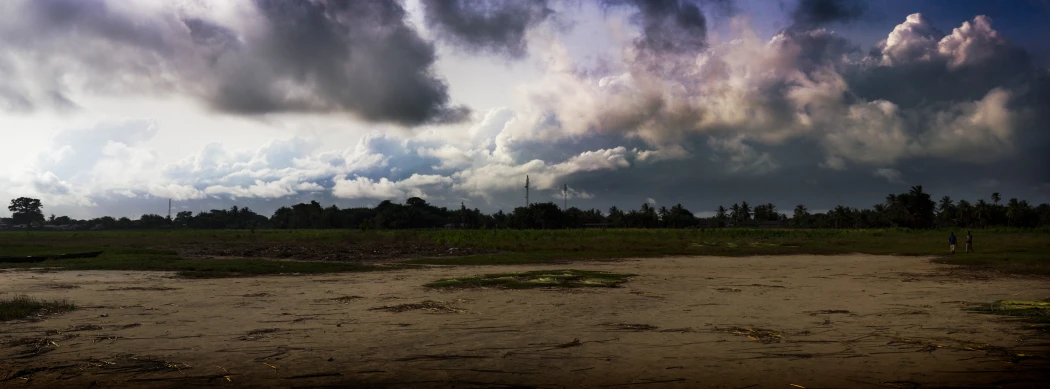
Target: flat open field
[223, 253]
[687, 321]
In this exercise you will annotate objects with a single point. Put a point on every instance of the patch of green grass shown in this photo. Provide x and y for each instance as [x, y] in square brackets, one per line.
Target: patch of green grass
[21, 307]
[1036, 313]
[536, 279]
[1031, 310]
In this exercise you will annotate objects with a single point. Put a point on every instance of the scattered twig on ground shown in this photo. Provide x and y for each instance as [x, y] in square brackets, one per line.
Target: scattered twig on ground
[646, 294]
[342, 299]
[759, 334]
[631, 327]
[258, 334]
[84, 327]
[130, 363]
[32, 347]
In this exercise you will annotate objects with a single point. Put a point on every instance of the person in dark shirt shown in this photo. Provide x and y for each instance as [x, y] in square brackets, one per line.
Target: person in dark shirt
[969, 242]
[951, 242]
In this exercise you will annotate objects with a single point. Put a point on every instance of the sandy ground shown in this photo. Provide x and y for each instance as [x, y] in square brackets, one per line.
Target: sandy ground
[682, 322]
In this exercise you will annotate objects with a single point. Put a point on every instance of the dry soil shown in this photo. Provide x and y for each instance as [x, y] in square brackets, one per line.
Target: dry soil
[760, 322]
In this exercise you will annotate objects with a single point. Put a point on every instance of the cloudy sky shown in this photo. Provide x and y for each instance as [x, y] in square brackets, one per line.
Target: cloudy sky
[113, 107]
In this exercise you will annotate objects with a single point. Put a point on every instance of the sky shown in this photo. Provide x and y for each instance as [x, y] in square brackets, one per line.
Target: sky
[114, 107]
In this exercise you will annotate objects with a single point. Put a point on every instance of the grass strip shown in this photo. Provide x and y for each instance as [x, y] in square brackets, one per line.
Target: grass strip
[536, 279]
[20, 307]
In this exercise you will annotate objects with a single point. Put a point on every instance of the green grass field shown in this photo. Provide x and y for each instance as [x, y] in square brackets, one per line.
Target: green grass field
[1005, 250]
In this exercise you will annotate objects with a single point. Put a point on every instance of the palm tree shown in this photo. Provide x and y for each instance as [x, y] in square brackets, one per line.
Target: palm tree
[841, 216]
[981, 213]
[945, 211]
[759, 213]
[616, 217]
[665, 216]
[734, 212]
[879, 217]
[720, 213]
[1013, 212]
[895, 209]
[920, 208]
[964, 213]
[745, 211]
[800, 214]
[996, 198]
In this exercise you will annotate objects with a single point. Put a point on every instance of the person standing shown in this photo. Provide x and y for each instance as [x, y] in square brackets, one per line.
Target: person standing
[951, 242]
[969, 242]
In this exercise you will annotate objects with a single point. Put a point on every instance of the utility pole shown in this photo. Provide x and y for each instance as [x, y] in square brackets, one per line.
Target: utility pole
[526, 191]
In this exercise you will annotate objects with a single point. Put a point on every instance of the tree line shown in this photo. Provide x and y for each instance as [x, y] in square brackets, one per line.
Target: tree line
[914, 209]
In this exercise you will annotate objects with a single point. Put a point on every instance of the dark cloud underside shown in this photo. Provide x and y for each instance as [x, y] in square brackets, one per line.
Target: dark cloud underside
[816, 13]
[493, 26]
[668, 26]
[356, 57]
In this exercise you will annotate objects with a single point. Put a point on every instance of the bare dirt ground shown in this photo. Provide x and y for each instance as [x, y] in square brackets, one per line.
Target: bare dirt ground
[759, 322]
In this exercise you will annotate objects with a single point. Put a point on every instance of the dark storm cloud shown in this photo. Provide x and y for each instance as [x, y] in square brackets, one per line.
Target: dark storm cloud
[354, 56]
[357, 57]
[495, 26]
[809, 14]
[668, 26]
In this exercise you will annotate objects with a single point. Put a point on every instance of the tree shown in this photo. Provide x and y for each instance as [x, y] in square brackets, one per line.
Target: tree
[26, 211]
[981, 213]
[185, 218]
[996, 198]
[415, 202]
[801, 214]
[946, 211]
[842, 217]
[745, 211]
[616, 217]
[964, 213]
[665, 217]
[1043, 214]
[647, 217]
[734, 212]
[721, 215]
[679, 217]
[1020, 213]
[920, 208]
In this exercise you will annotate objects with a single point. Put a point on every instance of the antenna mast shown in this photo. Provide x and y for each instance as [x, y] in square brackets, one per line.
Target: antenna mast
[526, 190]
